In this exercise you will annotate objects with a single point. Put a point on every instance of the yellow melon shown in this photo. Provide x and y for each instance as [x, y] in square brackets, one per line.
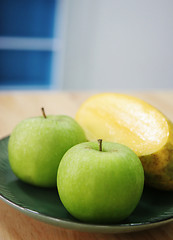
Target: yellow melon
[136, 124]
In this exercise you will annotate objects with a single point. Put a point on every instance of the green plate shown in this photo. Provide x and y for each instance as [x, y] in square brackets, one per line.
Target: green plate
[154, 209]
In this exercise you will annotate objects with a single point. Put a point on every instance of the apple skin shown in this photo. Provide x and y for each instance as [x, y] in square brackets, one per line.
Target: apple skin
[100, 187]
[37, 145]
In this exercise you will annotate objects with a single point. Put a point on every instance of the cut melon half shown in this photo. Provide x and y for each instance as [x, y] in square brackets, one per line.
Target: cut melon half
[133, 122]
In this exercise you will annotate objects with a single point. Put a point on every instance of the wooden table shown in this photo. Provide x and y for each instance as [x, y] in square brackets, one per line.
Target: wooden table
[15, 106]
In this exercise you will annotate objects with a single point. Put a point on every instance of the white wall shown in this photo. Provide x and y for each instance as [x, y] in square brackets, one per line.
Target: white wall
[118, 44]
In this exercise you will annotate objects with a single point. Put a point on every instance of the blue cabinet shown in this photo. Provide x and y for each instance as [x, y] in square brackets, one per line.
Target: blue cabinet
[20, 68]
[26, 33]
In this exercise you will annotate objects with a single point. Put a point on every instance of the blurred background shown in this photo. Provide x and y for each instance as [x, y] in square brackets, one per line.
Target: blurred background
[86, 44]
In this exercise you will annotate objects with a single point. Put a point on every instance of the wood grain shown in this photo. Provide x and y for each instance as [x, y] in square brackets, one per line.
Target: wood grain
[15, 106]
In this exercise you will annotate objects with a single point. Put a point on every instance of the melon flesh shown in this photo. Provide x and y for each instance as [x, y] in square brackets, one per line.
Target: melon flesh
[124, 119]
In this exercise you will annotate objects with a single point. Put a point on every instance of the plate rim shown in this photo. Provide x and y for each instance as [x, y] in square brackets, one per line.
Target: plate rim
[85, 227]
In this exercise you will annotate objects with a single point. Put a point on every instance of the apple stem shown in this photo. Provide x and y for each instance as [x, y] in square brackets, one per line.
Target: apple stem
[43, 112]
[100, 144]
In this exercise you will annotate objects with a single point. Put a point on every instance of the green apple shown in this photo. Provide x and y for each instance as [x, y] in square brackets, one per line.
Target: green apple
[37, 145]
[100, 184]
